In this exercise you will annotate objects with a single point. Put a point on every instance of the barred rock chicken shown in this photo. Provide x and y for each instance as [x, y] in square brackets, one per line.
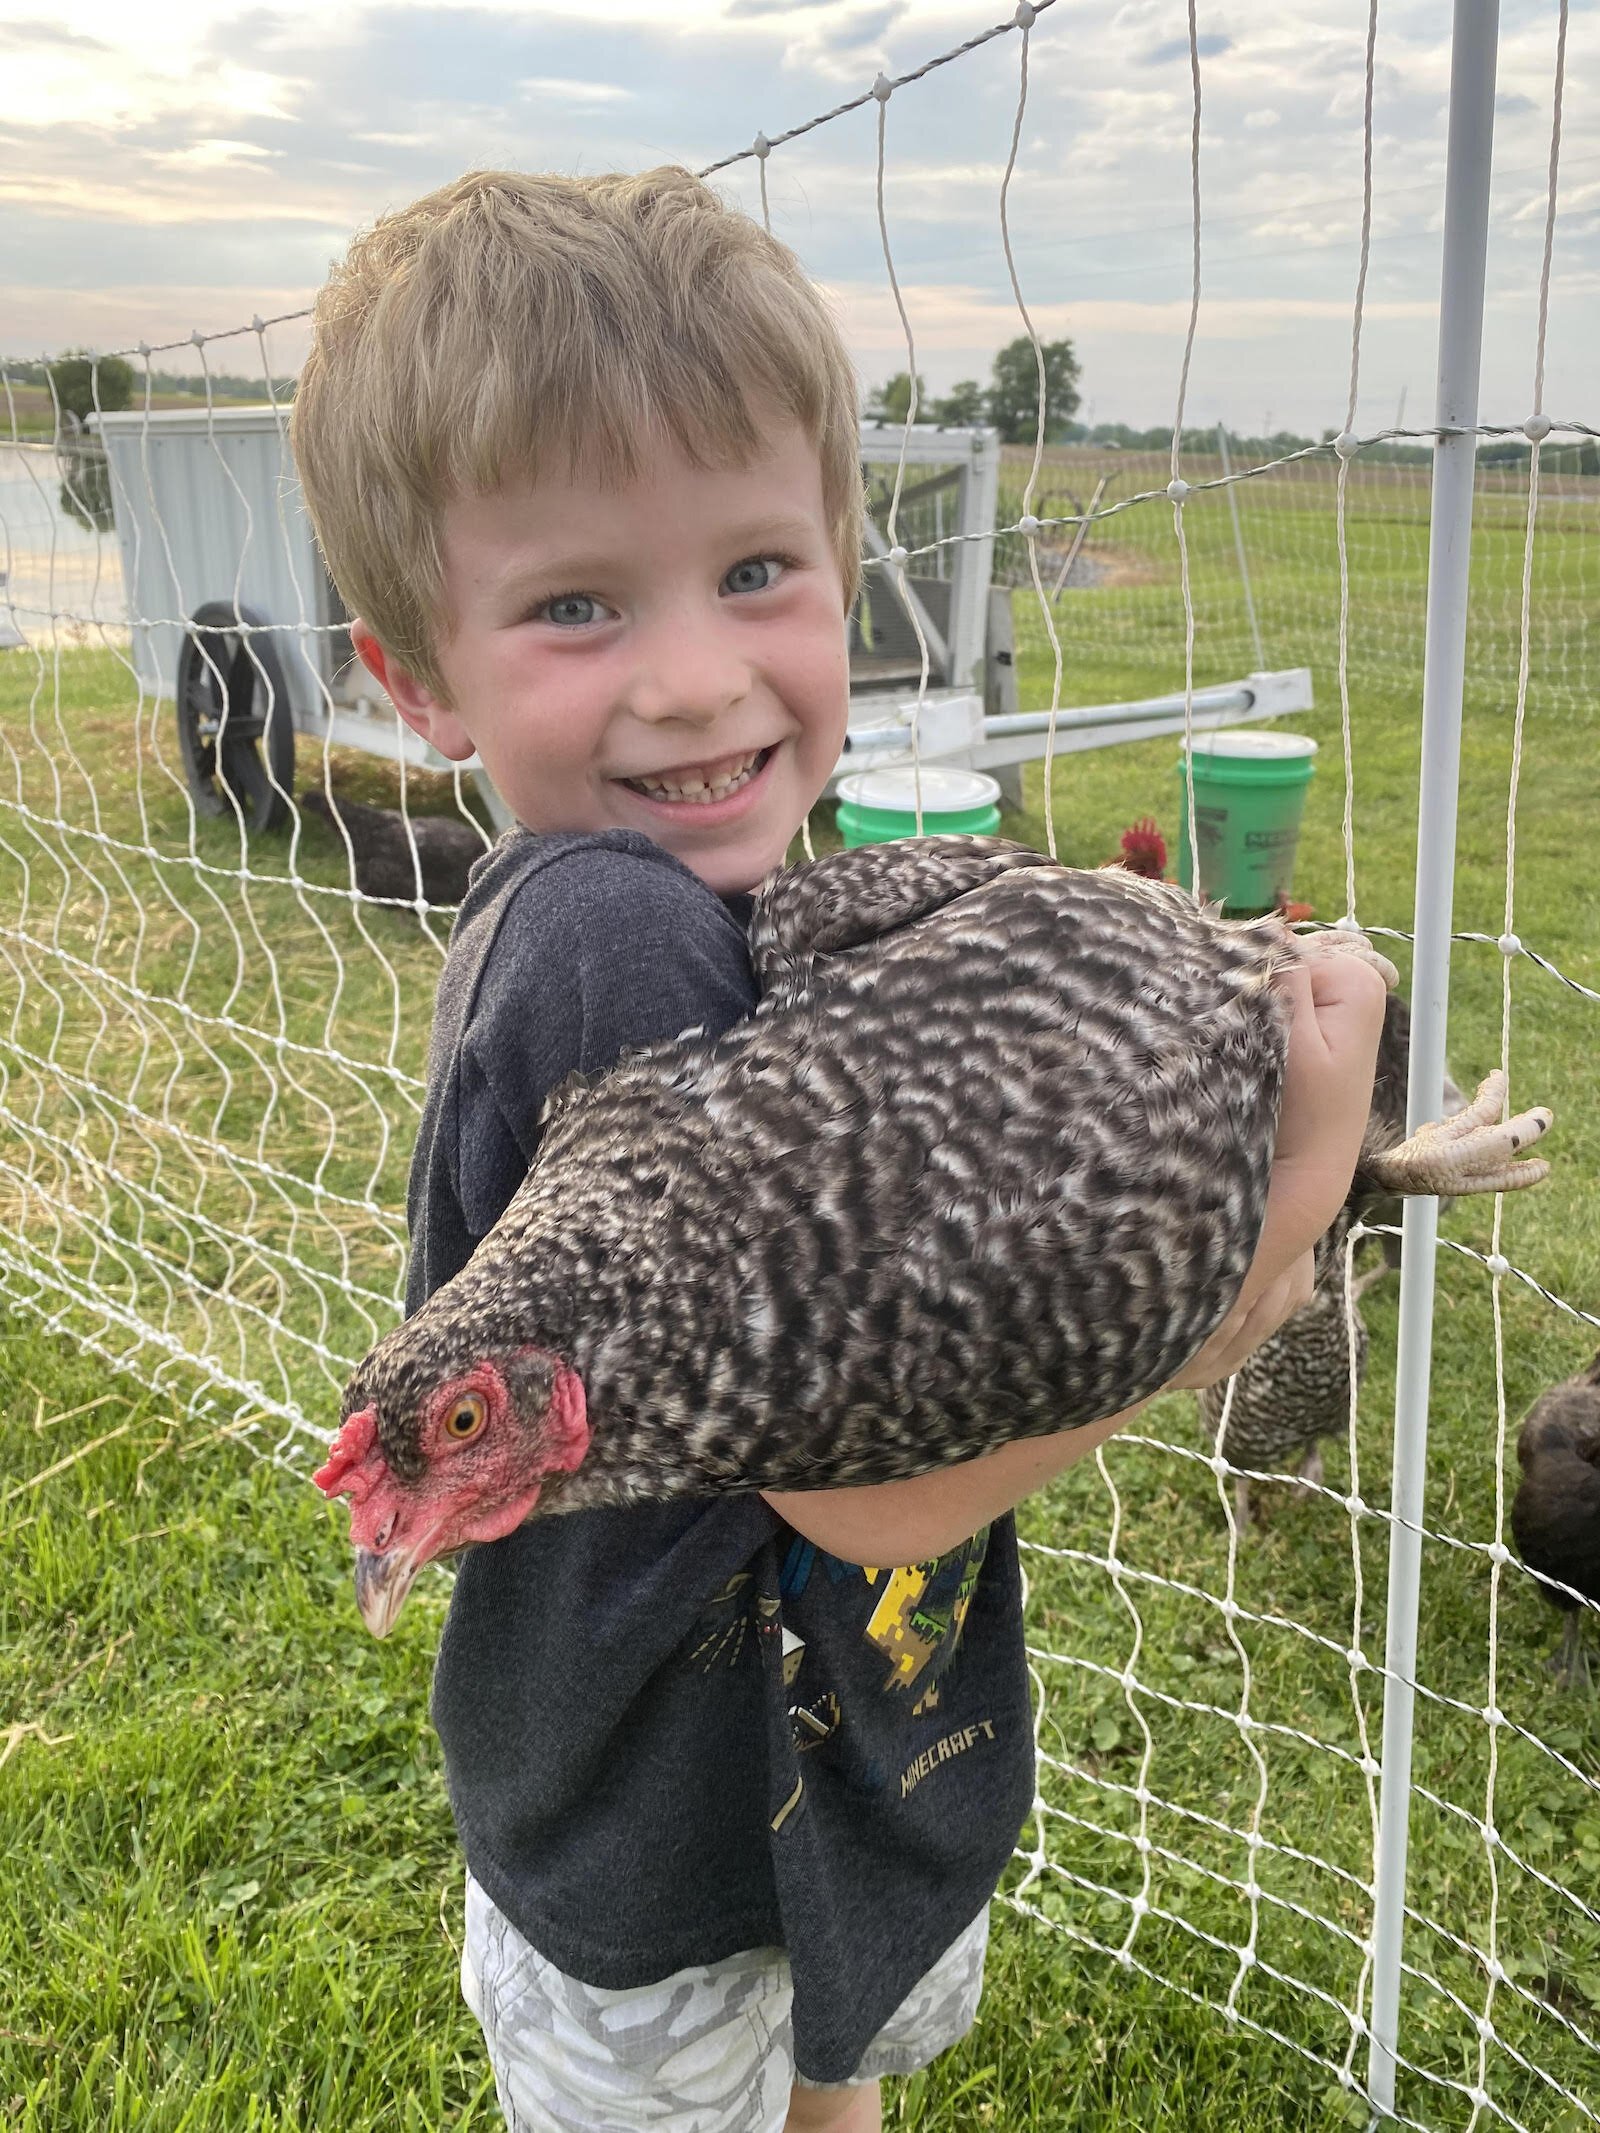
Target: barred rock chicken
[988, 1162]
[446, 848]
[1555, 1517]
[1295, 1389]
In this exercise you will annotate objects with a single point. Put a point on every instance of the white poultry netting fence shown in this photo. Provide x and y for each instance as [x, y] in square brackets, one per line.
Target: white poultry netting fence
[211, 1058]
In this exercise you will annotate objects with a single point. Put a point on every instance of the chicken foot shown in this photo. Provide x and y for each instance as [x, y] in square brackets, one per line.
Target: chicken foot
[1475, 1151]
[1336, 941]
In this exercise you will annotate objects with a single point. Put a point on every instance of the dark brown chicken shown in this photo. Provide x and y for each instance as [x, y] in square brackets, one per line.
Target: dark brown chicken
[1555, 1518]
[445, 845]
[988, 1162]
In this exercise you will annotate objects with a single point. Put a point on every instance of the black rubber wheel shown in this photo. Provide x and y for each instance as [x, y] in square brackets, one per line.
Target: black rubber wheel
[235, 724]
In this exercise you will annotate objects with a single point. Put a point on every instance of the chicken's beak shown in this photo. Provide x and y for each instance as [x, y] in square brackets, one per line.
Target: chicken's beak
[382, 1582]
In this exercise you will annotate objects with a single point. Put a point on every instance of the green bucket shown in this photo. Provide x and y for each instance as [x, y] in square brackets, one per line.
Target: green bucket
[1249, 793]
[876, 806]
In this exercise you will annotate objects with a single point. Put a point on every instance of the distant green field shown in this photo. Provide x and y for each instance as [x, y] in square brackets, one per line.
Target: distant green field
[233, 1887]
[29, 411]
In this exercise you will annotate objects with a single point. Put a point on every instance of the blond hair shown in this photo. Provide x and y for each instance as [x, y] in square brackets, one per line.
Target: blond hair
[508, 322]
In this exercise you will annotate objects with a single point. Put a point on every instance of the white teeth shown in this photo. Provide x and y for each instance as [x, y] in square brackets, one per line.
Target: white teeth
[697, 790]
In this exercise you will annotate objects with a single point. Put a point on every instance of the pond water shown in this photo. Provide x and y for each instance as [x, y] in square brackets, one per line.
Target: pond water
[64, 579]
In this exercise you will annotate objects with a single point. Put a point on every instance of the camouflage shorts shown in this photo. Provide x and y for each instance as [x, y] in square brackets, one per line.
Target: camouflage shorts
[704, 2051]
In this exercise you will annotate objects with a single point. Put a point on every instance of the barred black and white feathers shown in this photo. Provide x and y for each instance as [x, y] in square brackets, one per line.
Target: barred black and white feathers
[989, 1161]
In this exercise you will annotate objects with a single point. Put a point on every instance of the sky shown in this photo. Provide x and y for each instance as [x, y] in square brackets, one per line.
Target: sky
[164, 169]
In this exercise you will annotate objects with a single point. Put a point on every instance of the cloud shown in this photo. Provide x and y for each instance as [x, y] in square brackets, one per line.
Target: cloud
[198, 175]
[868, 26]
[29, 36]
[961, 317]
[214, 154]
[750, 10]
[574, 92]
[41, 318]
[862, 26]
[1209, 44]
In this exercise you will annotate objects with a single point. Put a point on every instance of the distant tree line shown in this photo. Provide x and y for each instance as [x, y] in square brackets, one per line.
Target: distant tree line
[1009, 402]
[225, 384]
[82, 386]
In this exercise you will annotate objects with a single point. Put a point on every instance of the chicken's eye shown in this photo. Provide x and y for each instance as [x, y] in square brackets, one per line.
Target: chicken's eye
[464, 1417]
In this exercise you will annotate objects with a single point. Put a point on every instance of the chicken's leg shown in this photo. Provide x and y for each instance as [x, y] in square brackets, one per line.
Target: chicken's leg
[1311, 1474]
[1473, 1152]
[1570, 1662]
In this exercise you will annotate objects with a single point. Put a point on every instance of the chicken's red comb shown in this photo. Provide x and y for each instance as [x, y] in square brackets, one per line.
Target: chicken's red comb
[1143, 841]
[356, 1440]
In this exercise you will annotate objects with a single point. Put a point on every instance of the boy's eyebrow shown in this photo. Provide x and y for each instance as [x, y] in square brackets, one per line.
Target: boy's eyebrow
[545, 565]
[775, 527]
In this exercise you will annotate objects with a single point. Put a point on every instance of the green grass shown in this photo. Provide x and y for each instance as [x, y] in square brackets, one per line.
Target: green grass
[232, 1884]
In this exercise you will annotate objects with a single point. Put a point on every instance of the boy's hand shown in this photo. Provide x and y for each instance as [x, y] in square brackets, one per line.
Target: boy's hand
[1336, 985]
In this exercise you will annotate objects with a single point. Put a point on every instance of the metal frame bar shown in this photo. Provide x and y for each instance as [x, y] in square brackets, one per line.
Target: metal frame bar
[903, 590]
[1466, 228]
[969, 559]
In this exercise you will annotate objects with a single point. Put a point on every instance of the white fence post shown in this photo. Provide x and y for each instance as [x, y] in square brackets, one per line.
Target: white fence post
[1466, 223]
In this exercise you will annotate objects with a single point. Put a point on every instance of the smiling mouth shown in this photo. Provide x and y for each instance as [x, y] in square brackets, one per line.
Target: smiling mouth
[701, 783]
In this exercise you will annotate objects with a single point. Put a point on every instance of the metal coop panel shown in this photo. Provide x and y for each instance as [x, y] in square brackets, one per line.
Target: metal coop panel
[208, 508]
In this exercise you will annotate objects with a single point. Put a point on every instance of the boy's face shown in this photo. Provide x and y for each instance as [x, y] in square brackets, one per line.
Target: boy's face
[666, 656]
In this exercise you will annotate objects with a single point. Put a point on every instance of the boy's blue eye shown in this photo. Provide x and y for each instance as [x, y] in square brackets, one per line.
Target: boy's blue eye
[755, 574]
[570, 610]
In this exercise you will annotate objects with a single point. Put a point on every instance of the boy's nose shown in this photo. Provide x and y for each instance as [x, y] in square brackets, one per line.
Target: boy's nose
[688, 670]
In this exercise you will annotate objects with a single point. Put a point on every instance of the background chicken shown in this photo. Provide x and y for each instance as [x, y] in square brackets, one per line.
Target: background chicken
[1555, 1517]
[446, 848]
[1295, 1389]
[1143, 850]
[988, 1162]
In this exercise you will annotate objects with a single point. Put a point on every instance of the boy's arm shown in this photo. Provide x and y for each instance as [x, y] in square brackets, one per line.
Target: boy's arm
[1333, 1046]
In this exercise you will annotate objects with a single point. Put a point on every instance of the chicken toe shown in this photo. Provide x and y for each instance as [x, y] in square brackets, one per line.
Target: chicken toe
[1475, 1151]
[1337, 941]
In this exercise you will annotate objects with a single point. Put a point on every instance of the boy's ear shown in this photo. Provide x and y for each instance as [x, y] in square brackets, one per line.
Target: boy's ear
[421, 710]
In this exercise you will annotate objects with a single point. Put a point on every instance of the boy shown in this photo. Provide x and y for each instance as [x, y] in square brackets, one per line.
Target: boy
[582, 454]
